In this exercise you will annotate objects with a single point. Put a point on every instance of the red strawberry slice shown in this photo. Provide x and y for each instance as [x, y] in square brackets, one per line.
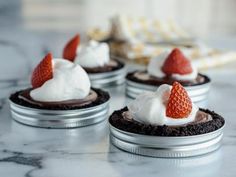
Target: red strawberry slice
[69, 51]
[176, 63]
[179, 104]
[42, 72]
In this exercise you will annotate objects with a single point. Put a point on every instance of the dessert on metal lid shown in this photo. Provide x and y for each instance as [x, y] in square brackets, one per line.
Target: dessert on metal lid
[60, 93]
[166, 123]
[94, 57]
[166, 69]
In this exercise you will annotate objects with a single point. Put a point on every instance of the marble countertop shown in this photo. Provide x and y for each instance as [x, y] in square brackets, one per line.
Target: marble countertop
[34, 152]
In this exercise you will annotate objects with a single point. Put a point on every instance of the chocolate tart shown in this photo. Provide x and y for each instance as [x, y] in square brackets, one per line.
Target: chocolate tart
[202, 125]
[140, 81]
[109, 75]
[65, 114]
[95, 98]
[197, 138]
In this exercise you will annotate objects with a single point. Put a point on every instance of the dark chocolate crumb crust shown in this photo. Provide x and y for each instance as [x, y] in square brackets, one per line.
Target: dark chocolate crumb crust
[102, 98]
[105, 68]
[130, 76]
[117, 120]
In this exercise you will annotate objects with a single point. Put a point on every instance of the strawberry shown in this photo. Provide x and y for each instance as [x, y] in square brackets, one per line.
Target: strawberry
[179, 104]
[176, 63]
[42, 72]
[69, 51]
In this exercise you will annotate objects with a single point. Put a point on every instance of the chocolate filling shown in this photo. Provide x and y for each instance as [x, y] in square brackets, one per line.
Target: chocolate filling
[206, 121]
[145, 78]
[25, 95]
[201, 117]
[111, 66]
[95, 98]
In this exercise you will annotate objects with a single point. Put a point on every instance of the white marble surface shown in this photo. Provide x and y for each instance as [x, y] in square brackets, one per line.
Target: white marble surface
[86, 152]
[35, 152]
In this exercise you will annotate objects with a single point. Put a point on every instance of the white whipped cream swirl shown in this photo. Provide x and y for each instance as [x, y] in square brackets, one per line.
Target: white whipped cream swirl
[94, 54]
[69, 81]
[156, 63]
[150, 108]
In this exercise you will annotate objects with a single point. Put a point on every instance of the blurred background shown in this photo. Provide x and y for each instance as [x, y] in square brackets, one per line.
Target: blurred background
[31, 28]
[202, 17]
[29, 23]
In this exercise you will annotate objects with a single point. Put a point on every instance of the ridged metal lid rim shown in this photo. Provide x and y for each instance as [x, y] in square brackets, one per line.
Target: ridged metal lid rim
[59, 119]
[164, 146]
[165, 152]
[107, 74]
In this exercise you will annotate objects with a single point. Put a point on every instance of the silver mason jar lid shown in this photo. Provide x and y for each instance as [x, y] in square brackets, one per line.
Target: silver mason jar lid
[107, 79]
[59, 118]
[198, 93]
[164, 146]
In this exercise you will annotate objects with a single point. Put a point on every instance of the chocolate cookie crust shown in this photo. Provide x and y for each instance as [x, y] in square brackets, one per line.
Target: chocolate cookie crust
[156, 82]
[117, 120]
[106, 68]
[102, 98]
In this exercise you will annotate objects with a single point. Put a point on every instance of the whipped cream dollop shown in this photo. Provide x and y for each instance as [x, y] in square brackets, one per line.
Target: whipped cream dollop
[69, 81]
[94, 54]
[150, 108]
[156, 63]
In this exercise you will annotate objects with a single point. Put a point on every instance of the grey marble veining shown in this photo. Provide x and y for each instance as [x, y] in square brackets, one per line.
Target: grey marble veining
[34, 152]
[86, 152]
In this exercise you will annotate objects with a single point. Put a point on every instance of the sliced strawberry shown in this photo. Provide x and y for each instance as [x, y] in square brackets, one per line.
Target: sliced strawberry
[42, 72]
[69, 51]
[176, 63]
[179, 104]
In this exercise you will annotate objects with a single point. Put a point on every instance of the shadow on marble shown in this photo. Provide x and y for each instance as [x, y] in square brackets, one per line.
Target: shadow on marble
[28, 139]
[205, 165]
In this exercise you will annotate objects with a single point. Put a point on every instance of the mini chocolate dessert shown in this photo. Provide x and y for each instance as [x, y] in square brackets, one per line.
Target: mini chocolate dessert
[58, 99]
[167, 125]
[95, 60]
[95, 98]
[166, 69]
[205, 121]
